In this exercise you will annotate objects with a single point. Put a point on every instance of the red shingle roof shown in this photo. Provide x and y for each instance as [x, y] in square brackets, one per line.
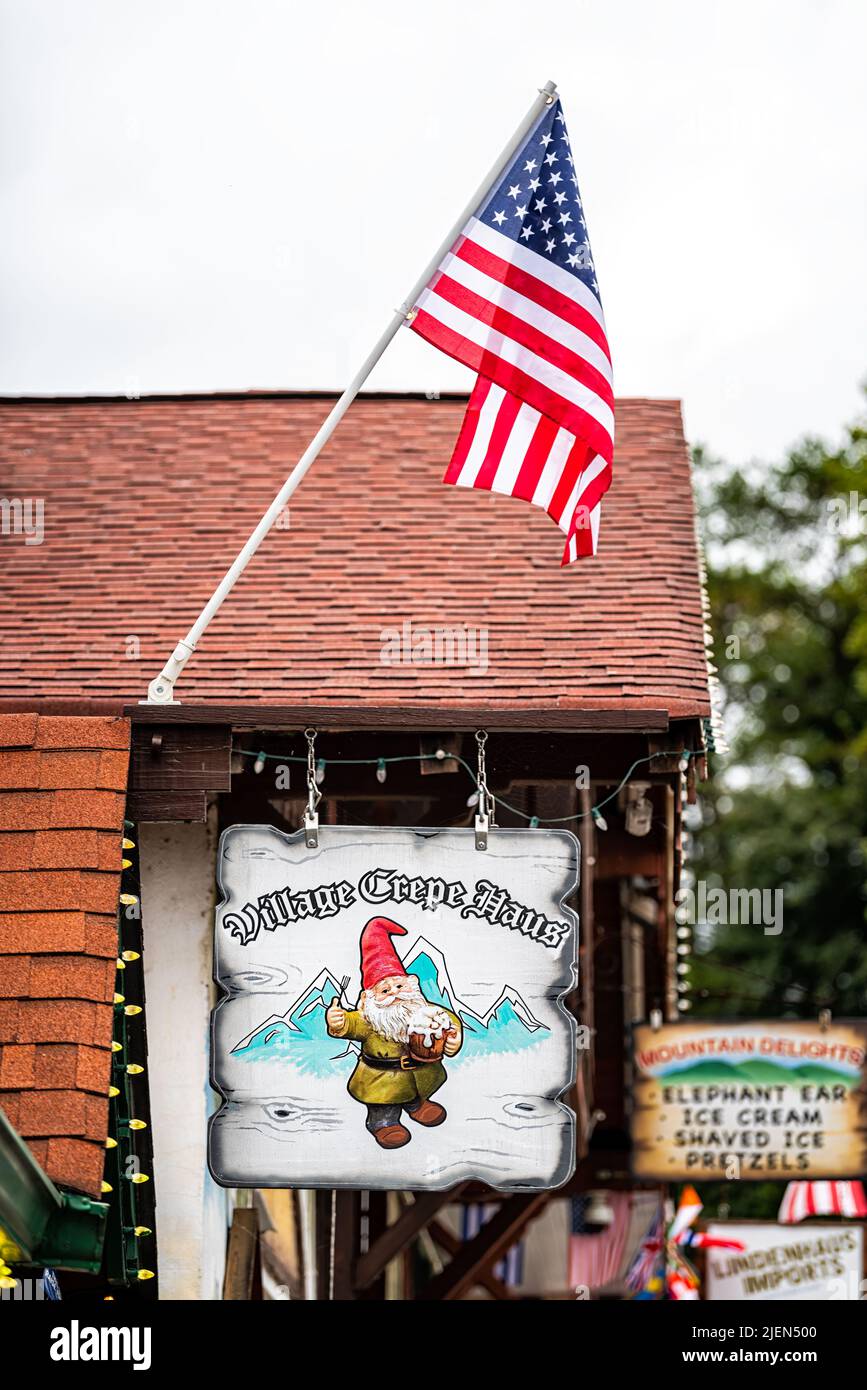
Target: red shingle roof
[62, 793]
[147, 502]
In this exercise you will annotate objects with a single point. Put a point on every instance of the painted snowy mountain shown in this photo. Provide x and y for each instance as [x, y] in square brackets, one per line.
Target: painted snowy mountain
[300, 1036]
[507, 1026]
[282, 1037]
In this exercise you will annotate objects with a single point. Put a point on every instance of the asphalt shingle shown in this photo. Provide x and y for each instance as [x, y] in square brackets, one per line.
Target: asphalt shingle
[146, 503]
[58, 933]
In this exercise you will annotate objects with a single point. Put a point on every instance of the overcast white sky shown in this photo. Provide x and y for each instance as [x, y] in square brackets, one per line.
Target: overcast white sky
[202, 195]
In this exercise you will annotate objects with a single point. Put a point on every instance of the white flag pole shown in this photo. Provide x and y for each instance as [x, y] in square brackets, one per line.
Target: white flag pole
[161, 688]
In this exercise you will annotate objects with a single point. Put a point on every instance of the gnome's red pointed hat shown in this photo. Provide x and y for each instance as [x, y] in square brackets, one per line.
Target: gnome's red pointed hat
[378, 956]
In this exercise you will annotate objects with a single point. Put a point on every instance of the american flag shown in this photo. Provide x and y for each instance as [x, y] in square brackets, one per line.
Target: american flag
[595, 1257]
[516, 299]
[802, 1199]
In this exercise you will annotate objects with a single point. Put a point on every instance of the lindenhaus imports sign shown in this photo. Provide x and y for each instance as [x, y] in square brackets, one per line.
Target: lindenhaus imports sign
[809, 1262]
[753, 1100]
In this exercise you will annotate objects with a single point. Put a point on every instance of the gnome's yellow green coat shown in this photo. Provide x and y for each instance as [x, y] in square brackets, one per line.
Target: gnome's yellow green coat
[374, 1087]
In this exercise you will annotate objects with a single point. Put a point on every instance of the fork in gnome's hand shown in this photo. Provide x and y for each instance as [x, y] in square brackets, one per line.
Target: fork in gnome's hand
[338, 999]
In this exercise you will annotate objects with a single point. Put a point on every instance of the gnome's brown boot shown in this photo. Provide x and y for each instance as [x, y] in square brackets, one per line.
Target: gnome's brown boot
[391, 1136]
[428, 1113]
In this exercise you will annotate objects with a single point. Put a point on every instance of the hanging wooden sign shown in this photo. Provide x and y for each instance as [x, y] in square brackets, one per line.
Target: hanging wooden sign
[393, 1012]
[752, 1100]
[807, 1263]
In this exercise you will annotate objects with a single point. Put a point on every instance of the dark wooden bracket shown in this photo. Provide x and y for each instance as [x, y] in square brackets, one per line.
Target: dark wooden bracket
[174, 767]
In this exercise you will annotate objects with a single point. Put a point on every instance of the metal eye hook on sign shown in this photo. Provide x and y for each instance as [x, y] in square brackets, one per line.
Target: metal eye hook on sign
[487, 806]
[314, 795]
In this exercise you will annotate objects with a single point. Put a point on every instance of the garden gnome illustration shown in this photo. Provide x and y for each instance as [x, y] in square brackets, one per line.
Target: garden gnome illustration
[403, 1038]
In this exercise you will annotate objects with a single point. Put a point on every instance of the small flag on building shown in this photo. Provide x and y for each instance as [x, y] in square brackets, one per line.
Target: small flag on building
[645, 1275]
[688, 1209]
[700, 1240]
[516, 299]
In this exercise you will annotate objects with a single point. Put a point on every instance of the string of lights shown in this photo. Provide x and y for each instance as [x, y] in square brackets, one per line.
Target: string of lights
[122, 1162]
[381, 764]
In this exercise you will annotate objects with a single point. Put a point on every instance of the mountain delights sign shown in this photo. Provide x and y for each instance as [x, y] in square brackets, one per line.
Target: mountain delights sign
[750, 1100]
[392, 1013]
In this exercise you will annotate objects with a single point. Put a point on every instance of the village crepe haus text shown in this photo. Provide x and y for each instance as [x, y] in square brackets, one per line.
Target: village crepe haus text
[485, 900]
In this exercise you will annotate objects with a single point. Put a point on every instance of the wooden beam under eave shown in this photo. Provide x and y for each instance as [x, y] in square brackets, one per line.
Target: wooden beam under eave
[178, 758]
[496, 1237]
[457, 718]
[451, 1243]
[401, 1233]
[624, 856]
[166, 806]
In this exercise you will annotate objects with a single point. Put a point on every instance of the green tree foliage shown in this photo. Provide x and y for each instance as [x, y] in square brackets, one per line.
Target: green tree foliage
[787, 808]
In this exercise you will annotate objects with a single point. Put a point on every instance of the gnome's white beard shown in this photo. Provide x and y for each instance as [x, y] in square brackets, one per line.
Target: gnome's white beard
[391, 1021]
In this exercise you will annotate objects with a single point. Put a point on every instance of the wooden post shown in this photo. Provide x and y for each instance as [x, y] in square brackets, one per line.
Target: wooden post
[346, 1216]
[243, 1275]
[322, 1204]
[337, 1229]
[376, 1226]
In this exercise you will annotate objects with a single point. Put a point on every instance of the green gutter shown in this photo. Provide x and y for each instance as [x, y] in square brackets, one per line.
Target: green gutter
[48, 1227]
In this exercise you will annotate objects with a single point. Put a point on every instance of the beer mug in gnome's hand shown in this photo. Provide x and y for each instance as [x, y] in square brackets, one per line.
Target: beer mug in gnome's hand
[430, 1028]
[403, 1037]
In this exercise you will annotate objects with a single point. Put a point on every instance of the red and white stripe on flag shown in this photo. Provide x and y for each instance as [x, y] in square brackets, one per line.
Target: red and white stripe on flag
[521, 307]
[507, 446]
[825, 1198]
[595, 1260]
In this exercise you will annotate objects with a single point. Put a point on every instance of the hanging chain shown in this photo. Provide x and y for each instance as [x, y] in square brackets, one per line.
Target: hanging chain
[487, 805]
[314, 795]
[481, 775]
